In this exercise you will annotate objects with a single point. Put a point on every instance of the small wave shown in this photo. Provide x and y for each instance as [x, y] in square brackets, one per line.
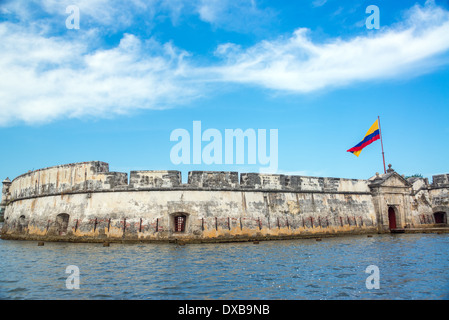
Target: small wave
[18, 289]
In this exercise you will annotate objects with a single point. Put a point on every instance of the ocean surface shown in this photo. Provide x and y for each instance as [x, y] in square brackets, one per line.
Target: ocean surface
[410, 266]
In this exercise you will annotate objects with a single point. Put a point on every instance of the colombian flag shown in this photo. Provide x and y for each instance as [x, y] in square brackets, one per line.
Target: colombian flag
[372, 135]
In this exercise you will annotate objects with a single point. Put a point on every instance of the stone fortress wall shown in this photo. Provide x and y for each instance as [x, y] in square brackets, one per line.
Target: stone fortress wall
[86, 202]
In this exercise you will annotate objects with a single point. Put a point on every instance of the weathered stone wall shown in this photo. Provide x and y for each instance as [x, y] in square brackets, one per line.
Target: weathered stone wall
[147, 215]
[86, 176]
[5, 197]
[154, 179]
[441, 180]
[213, 179]
[86, 202]
[300, 183]
[427, 199]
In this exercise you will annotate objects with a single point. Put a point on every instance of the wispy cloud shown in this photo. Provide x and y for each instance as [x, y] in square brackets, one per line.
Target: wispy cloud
[42, 79]
[297, 64]
[318, 3]
[45, 76]
[242, 16]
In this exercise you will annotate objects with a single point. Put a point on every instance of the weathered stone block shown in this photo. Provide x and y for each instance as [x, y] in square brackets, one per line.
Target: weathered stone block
[155, 179]
[213, 179]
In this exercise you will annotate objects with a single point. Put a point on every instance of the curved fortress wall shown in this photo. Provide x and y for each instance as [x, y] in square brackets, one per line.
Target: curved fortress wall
[86, 202]
[86, 176]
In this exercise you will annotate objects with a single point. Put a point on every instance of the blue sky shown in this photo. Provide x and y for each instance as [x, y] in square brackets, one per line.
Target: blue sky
[114, 89]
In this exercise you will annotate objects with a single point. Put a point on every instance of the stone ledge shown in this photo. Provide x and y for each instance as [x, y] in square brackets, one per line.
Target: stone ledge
[173, 239]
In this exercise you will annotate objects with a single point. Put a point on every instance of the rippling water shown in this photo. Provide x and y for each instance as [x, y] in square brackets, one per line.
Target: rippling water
[411, 267]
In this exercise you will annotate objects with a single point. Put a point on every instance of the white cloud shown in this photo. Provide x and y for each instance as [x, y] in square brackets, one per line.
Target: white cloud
[43, 77]
[297, 64]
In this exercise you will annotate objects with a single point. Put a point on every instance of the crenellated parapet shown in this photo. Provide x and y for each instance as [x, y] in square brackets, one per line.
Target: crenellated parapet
[94, 176]
[439, 193]
[259, 181]
[441, 180]
[213, 179]
[155, 179]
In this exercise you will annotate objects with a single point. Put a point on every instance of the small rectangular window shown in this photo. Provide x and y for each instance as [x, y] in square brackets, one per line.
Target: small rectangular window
[180, 222]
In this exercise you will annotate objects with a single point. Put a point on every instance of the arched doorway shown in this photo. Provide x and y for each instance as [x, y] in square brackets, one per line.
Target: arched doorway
[62, 223]
[391, 218]
[440, 217]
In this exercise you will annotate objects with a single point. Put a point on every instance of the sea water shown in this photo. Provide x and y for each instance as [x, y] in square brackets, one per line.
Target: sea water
[410, 266]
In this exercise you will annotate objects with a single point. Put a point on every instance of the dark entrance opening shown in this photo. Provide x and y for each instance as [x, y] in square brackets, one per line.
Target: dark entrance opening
[62, 222]
[22, 224]
[440, 217]
[180, 223]
[391, 218]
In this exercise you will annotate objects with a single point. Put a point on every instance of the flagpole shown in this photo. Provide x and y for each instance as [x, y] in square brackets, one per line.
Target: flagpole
[381, 143]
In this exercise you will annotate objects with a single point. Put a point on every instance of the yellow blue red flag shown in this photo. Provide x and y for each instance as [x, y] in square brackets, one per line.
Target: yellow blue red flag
[372, 135]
